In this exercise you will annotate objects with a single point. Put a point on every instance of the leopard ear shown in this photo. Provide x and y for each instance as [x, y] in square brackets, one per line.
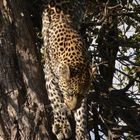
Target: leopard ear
[64, 71]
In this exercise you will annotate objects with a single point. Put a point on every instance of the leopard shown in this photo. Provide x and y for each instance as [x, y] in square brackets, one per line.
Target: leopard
[66, 68]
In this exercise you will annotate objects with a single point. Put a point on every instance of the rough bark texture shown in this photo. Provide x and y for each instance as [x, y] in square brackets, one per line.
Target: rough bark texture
[23, 98]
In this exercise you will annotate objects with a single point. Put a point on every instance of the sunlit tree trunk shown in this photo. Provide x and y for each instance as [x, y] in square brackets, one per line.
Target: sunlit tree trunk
[23, 98]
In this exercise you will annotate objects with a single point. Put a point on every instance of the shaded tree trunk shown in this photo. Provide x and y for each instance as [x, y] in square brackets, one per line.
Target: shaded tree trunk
[23, 99]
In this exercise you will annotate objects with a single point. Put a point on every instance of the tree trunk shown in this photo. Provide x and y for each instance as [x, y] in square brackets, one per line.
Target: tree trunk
[23, 98]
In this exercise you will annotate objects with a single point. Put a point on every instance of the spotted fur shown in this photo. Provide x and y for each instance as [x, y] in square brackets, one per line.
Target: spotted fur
[66, 69]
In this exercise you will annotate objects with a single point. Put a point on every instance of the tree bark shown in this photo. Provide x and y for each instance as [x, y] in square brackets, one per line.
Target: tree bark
[23, 98]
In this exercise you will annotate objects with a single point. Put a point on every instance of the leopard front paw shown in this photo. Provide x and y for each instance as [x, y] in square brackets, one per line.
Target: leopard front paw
[62, 129]
[82, 135]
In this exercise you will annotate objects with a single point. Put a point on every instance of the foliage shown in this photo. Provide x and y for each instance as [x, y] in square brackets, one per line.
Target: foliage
[115, 103]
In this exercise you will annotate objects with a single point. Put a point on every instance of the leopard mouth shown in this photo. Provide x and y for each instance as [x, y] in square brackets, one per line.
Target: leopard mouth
[71, 102]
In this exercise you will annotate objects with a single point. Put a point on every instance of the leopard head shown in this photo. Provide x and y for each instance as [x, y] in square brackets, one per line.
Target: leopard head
[73, 84]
